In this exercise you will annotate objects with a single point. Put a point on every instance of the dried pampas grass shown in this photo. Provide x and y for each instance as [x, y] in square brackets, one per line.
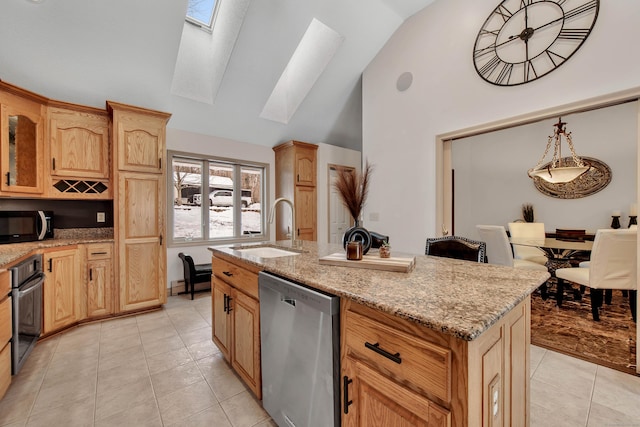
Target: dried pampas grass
[353, 189]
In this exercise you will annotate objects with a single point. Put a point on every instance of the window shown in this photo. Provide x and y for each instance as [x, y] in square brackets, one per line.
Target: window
[202, 13]
[228, 209]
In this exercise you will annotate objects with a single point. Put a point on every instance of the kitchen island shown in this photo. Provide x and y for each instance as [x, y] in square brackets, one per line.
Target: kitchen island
[462, 329]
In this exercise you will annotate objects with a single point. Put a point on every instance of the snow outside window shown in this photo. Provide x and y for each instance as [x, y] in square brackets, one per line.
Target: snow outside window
[228, 209]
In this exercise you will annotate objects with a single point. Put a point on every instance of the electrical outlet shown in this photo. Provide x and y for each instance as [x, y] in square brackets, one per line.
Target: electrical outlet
[101, 217]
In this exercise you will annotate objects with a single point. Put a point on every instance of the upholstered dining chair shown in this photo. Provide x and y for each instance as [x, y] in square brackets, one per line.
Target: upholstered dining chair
[613, 265]
[194, 273]
[456, 247]
[499, 250]
[528, 229]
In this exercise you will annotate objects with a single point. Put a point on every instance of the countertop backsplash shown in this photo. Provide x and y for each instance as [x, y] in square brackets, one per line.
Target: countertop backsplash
[83, 233]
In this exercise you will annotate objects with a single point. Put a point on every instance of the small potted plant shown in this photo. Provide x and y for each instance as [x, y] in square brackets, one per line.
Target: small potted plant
[385, 249]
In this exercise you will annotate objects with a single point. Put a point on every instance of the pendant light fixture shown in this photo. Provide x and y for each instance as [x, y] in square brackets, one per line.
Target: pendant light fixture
[559, 170]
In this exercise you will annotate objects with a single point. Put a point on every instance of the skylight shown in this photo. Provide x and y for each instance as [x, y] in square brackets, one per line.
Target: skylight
[311, 57]
[201, 12]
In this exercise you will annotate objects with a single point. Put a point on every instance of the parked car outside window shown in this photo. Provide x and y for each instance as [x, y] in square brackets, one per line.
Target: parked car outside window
[223, 198]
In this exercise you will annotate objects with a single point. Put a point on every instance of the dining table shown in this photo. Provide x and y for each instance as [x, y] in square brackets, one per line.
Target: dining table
[559, 253]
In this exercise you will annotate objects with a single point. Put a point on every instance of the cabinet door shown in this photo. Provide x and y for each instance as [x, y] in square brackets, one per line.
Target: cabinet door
[305, 201]
[79, 144]
[375, 400]
[140, 140]
[59, 292]
[99, 300]
[305, 164]
[246, 340]
[22, 145]
[141, 252]
[221, 329]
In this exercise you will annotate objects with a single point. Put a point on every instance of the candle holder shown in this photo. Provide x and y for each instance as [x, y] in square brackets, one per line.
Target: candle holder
[633, 220]
[615, 221]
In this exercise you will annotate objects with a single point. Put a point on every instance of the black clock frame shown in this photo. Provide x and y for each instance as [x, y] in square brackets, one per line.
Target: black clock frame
[571, 34]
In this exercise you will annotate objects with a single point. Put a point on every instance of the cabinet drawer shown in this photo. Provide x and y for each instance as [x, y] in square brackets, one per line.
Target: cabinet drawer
[5, 321]
[5, 369]
[406, 358]
[99, 251]
[5, 283]
[244, 280]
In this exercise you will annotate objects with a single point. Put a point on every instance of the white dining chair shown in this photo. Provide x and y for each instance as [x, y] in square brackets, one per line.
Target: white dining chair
[499, 250]
[528, 229]
[613, 265]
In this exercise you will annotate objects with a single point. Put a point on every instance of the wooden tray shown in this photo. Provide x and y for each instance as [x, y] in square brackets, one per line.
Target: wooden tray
[373, 262]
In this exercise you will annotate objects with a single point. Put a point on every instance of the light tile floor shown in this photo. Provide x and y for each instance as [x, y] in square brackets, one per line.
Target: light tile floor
[161, 369]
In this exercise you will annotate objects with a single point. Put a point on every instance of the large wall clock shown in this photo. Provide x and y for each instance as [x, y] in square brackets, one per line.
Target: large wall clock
[523, 40]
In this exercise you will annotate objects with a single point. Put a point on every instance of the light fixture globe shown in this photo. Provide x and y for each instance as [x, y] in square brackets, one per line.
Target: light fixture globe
[559, 170]
[558, 175]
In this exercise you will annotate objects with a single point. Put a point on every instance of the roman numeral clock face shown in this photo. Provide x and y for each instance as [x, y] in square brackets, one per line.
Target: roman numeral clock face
[523, 40]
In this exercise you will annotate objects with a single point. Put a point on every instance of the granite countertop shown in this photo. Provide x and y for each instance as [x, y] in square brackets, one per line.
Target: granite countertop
[460, 298]
[14, 251]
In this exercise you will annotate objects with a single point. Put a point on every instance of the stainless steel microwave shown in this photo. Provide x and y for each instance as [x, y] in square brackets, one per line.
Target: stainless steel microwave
[25, 226]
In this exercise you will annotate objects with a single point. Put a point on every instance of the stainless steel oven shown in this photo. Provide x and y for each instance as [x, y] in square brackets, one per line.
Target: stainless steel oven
[27, 279]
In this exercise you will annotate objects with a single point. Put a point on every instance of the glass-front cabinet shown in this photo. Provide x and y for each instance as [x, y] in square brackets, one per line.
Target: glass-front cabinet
[22, 118]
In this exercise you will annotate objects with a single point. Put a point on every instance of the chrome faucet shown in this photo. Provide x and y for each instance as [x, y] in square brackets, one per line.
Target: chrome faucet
[272, 214]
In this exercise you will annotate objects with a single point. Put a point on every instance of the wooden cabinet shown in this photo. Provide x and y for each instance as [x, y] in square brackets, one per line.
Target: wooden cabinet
[221, 330]
[139, 138]
[139, 215]
[5, 331]
[296, 177]
[79, 153]
[236, 320]
[383, 402]
[61, 288]
[99, 281]
[404, 374]
[22, 149]
[140, 231]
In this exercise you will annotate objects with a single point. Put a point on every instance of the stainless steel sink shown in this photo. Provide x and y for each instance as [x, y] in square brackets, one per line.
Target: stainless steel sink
[267, 251]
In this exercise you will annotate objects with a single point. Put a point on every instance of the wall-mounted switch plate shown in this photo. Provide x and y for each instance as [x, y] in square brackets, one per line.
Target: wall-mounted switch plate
[101, 217]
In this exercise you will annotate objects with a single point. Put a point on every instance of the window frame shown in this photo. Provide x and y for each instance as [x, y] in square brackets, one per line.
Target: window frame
[203, 25]
[238, 165]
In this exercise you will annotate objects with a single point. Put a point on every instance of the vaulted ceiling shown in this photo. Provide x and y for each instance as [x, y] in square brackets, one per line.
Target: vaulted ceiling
[88, 51]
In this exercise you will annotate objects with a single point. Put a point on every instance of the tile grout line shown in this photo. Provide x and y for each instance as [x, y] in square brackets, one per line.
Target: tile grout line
[46, 369]
[593, 389]
[146, 362]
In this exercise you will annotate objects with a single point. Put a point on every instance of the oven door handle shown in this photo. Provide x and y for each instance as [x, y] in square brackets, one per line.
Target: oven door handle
[31, 285]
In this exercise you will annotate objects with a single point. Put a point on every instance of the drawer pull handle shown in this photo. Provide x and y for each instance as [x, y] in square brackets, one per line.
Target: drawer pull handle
[98, 253]
[229, 309]
[227, 273]
[226, 302]
[376, 347]
[345, 393]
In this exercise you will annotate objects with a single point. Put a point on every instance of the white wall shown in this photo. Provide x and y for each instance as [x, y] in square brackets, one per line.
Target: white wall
[436, 45]
[491, 181]
[179, 140]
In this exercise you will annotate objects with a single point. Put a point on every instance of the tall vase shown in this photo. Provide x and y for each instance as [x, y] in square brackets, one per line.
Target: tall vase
[358, 234]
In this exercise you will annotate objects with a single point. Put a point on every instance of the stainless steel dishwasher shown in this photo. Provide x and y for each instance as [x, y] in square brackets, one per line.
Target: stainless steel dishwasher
[299, 336]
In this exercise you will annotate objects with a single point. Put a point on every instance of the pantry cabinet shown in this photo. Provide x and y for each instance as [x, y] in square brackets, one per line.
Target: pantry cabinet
[22, 149]
[139, 175]
[296, 179]
[236, 319]
[62, 288]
